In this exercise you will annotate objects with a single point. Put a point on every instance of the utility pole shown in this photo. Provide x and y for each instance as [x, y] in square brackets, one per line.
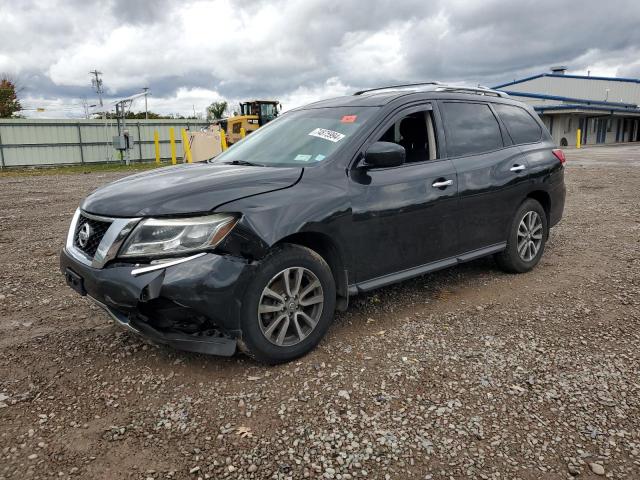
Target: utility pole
[85, 106]
[96, 82]
[146, 110]
[123, 141]
[120, 131]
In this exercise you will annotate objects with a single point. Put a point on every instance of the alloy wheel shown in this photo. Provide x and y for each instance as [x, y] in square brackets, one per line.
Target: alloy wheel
[290, 306]
[529, 236]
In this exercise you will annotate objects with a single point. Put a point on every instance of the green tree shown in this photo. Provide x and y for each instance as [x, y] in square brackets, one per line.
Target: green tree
[141, 115]
[9, 103]
[216, 110]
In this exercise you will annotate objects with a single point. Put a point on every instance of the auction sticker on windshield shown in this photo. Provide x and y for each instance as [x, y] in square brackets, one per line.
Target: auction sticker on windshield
[327, 134]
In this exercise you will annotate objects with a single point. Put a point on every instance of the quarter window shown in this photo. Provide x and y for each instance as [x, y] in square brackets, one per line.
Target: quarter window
[471, 128]
[520, 124]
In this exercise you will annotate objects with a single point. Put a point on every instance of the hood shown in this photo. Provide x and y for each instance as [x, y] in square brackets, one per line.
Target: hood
[186, 189]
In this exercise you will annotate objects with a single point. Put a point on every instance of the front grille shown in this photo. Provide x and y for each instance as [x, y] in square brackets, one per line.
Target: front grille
[96, 230]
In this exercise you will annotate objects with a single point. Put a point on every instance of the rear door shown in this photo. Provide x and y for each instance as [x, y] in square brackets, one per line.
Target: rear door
[534, 143]
[404, 217]
[492, 173]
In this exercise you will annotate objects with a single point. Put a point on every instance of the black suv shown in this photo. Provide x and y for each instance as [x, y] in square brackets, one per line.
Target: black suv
[256, 248]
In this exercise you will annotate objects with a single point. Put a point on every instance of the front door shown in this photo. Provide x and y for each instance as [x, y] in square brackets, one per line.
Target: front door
[404, 217]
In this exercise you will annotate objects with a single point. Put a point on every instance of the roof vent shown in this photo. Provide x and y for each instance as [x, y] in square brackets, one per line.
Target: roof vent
[559, 70]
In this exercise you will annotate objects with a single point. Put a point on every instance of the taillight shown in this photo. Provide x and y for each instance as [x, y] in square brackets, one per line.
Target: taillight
[560, 155]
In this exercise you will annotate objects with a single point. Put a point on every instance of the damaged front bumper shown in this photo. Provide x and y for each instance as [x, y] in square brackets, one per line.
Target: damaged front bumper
[194, 305]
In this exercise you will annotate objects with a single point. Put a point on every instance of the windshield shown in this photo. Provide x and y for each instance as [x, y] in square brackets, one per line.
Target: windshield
[298, 138]
[268, 111]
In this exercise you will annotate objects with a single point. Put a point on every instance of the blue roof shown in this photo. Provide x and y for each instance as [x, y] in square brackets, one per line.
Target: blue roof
[556, 75]
[568, 99]
[542, 108]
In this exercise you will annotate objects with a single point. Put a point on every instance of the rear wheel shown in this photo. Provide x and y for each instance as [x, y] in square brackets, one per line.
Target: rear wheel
[527, 238]
[288, 306]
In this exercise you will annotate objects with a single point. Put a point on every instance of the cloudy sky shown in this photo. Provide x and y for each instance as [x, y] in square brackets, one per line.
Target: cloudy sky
[190, 53]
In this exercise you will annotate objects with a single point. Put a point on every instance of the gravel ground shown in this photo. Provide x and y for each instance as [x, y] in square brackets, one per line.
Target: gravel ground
[465, 373]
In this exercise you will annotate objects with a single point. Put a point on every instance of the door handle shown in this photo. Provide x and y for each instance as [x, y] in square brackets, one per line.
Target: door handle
[444, 183]
[517, 168]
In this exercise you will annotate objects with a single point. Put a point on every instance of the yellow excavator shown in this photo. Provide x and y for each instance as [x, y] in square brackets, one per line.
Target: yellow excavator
[253, 115]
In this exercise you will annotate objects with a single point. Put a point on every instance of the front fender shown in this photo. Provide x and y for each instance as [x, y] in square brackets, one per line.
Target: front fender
[269, 218]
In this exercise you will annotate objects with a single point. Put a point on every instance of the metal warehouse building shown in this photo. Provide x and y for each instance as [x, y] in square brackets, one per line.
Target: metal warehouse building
[605, 109]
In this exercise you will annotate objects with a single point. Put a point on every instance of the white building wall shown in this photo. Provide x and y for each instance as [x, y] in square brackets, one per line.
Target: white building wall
[566, 126]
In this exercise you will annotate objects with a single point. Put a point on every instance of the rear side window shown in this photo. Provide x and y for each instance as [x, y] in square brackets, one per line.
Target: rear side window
[471, 128]
[520, 124]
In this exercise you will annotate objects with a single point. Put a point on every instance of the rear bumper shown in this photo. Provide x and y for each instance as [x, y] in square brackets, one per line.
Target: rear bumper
[193, 306]
[557, 194]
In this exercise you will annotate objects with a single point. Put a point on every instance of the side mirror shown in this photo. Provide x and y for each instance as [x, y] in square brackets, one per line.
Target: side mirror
[384, 154]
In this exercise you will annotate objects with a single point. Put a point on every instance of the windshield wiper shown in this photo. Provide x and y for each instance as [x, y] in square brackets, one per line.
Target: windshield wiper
[243, 162]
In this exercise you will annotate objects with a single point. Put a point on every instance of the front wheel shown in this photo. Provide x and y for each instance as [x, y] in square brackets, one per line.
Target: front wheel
[288, 306]
[527, 238]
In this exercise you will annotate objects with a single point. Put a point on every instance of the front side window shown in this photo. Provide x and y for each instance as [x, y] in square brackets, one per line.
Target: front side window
[520, 124]
[268, 111]
[416, 134]
[471, 128]
[299, 138]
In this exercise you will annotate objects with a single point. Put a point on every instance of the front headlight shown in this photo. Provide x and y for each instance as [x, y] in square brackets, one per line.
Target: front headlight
[154, 237]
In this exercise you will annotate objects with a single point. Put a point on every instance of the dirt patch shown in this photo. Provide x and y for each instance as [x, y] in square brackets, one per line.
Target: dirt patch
[467, 372]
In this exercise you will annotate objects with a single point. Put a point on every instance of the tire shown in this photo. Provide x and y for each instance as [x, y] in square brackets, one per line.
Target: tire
[265, 317]
[512, 259]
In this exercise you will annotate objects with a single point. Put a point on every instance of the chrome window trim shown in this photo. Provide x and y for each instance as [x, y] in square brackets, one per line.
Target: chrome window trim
[110, 243]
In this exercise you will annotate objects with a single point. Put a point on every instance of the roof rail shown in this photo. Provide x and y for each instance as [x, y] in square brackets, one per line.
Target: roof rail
[477, 90]
[396, 87]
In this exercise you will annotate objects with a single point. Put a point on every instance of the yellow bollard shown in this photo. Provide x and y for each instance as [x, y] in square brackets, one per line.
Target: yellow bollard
[578, 137]
[156, 141]
[186, 148]
[223, 140]
[172, 140]
[243, 132]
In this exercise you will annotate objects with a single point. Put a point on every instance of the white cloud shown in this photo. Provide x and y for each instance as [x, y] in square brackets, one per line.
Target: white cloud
[373, 56]
[185, 101]
[194, 52]
[304, 95]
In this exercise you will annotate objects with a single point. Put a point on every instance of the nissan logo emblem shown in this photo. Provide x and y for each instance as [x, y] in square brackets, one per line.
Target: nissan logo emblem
[84, 234]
